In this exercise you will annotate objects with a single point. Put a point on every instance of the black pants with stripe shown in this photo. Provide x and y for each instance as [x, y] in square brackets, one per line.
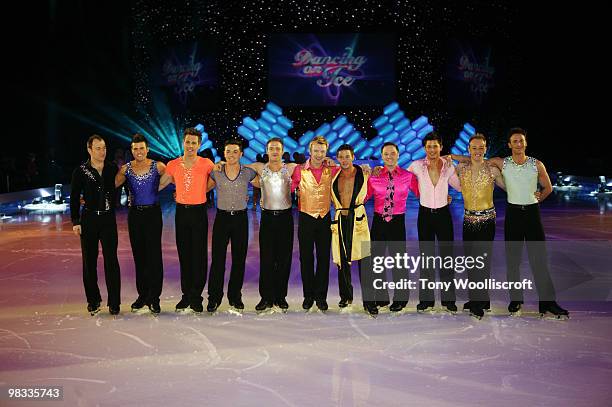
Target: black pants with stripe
[235, 229]
[145, 227]
[432, 225]
[191, 223]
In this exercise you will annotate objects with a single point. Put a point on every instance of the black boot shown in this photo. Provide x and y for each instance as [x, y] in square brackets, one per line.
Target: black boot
[476, 309]
[263, 305]
[238, 304]
[182, 305]
[344, 303]
[308, 303]
[322, 305]
[486, 305]
[397, 306]
[138, 304]
[94, 308]
[282, 304]
[553, 308]
[154, 307]
[425, 306]
[382, 304]
[515, 308]
[197, 307]
[450, 306]
[370, 308]
[212, 306]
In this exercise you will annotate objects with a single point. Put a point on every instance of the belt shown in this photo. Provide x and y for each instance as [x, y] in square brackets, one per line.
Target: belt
[189, 206]
[522, 207]
[380, 215]
[231, 213]
[433, 210]
[144, 207]
[485, 212]
[94, 212]
[274, 212]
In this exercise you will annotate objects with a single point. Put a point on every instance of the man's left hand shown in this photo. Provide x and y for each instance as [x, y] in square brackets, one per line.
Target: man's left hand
[367, 170]
[330, 162]
[376, 171]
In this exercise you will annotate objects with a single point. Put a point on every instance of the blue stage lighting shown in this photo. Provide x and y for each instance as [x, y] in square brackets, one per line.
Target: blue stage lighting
[393, 126]
[461, 144]
[271, 123]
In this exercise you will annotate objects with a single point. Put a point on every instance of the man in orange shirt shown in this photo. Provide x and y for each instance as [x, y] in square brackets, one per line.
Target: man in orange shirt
[190, 175]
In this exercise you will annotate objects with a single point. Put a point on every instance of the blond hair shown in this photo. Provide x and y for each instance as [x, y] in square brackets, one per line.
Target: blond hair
[318, 140]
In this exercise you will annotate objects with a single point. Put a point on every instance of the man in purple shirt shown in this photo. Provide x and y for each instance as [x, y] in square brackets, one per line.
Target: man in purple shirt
[434, 176]
[390, 191]
[144, 222]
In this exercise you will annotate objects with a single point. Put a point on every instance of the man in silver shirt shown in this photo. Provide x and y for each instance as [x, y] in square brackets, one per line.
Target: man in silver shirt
[276, 227]
[231, 224]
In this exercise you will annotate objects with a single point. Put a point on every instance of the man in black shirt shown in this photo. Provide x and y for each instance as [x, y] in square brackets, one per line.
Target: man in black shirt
[95, 181]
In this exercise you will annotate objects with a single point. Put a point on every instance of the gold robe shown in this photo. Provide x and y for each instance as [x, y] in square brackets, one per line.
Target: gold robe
[359, 241]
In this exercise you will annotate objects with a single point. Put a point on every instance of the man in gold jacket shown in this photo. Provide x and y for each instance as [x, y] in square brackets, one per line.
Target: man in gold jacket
[314, 182]
[350, 232]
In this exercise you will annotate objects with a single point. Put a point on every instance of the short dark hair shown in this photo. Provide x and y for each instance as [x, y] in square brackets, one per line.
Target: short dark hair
[192, 131]
[346, 147]
[433, 136]
[233, 142]
[388, 143]
[273, 139]
[478, 136]
[139, 138]
[91, 139]
[517, 130]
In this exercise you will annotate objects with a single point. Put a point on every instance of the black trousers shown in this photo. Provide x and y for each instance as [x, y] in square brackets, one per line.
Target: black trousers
[314, 233]
[382, 234]
[235, 229]
[345, 285]
[276, 251]
[523, 224]
[100, 228]
[435, 224]
[191, 223]
[145, 227]
[478, 239]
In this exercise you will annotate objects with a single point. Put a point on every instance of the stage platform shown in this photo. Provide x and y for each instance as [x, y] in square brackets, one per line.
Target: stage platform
[295, 358]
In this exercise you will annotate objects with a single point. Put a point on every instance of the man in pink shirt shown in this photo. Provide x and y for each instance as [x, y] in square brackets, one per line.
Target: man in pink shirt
[390, 189]
[190, 175]
[314, 229]
[434, 176]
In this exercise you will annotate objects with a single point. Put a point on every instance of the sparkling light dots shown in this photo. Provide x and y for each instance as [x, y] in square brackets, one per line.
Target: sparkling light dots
[242, 28]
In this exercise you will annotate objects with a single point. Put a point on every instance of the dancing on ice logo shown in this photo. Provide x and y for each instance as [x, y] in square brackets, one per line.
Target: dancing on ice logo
[480, 76]
[331, 71]
[184, 78]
